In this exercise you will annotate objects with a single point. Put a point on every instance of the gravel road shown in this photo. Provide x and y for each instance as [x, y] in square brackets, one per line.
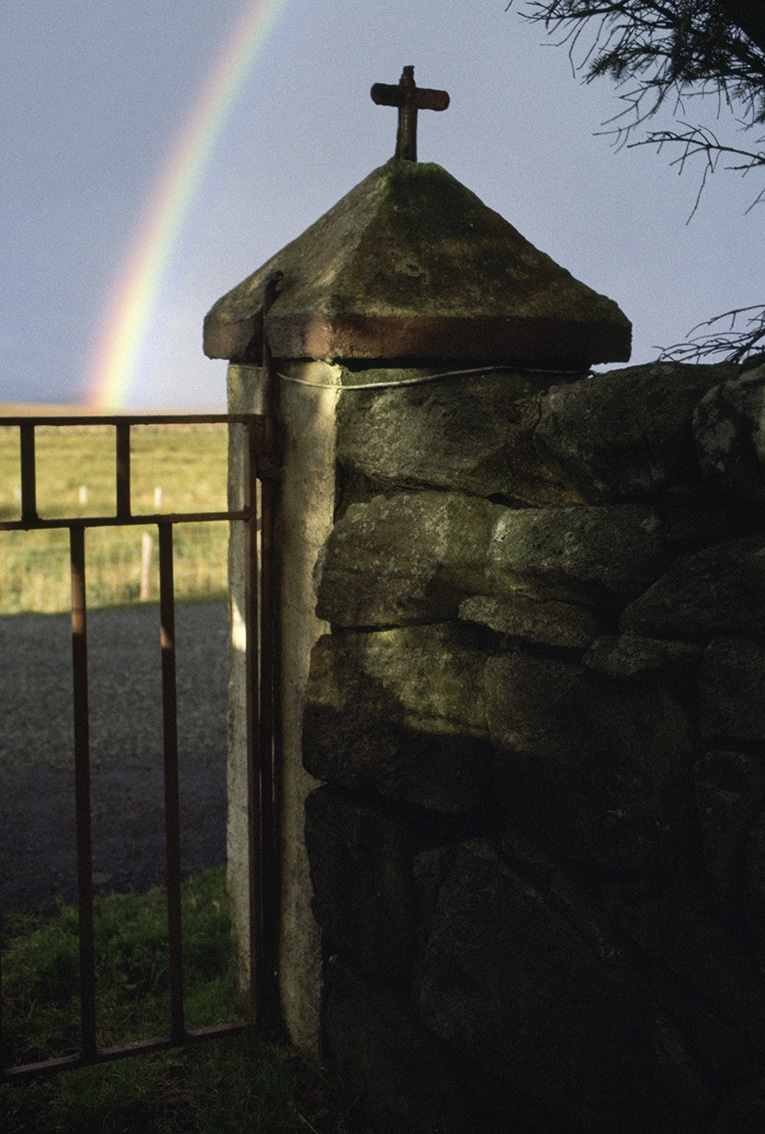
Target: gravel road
[37, 855]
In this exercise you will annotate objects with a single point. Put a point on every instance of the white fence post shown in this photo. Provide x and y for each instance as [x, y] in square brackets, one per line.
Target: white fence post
[147, 547]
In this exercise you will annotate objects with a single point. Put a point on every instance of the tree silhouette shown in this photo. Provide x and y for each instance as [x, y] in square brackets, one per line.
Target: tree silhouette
[666, 53]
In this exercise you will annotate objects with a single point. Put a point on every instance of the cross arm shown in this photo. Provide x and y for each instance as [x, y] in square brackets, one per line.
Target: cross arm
[409, 98]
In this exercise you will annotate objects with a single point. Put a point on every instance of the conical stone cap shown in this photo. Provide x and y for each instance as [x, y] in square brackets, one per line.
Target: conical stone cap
[411, 265]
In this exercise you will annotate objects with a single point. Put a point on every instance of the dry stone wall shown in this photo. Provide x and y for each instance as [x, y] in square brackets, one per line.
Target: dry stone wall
[538, 853]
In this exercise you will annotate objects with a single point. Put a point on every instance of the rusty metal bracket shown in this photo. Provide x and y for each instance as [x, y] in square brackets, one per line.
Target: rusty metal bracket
[262, 698]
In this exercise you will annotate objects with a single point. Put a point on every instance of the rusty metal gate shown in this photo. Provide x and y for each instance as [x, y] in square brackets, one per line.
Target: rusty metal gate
[257, 516]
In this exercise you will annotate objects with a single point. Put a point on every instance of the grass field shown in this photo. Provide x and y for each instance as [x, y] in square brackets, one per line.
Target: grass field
[173, 469]
[231, 1084]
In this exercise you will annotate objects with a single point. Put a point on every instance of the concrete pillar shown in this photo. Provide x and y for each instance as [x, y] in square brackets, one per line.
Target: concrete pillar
[306, 405]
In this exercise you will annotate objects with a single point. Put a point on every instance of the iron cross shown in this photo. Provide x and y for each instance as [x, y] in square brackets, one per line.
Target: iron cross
[409, 98]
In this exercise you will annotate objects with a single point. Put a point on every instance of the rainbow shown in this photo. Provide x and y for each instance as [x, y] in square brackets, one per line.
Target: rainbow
[128, 314]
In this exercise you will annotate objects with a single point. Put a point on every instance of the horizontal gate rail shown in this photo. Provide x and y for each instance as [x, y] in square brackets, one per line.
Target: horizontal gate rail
[260, 622]
[255, 424]
[119, 521]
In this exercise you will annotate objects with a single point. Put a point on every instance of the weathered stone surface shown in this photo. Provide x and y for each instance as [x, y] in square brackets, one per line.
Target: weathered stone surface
[429, 868]
[755, 880]
[406, 558]
[728, 425]
[732, 680]
[706, 957]
[590, 764]
[627, 432]
[716, 591]
[722, 1053]
[744, 1113]
[404, 1079]
[401, 712]
[411, 264]
[575, 553]
[526, 980]
[695, 518]
[361, 872]
[470, 433]
[546, 623]
[413, 557]
[629, 655]
[729, 789]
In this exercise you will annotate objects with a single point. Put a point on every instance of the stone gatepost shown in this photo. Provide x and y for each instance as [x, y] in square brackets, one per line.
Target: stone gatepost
[409, 277]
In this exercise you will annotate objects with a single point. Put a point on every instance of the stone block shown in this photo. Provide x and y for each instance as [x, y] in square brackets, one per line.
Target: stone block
[626, 432]
[405, 1080]
[743, 1113]
[729, 790]
[704, 956]
[591, 765]
[720, 590]
[545, 623]
[731, 681]
[469, 433]
[625, 656]
[693, 519]
[532, 706]
[526, 980]
[575, 554]
[728, 426]
[364, 896]
[755, 880]
[429, 868]
[401, 712]
[407, 558]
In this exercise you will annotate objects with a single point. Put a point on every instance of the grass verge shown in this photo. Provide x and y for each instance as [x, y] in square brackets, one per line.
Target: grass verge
[234, 1083]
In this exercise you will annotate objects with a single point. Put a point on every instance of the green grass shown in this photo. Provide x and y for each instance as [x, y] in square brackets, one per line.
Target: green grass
[173, 469]
[232, 1084]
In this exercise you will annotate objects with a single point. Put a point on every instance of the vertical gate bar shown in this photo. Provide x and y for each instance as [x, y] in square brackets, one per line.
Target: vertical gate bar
[252, 678]
[262, 724]
[266, 746]
[123, 470]
[28, 471]
[82, 794]
[268, 678]
[172, 808]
